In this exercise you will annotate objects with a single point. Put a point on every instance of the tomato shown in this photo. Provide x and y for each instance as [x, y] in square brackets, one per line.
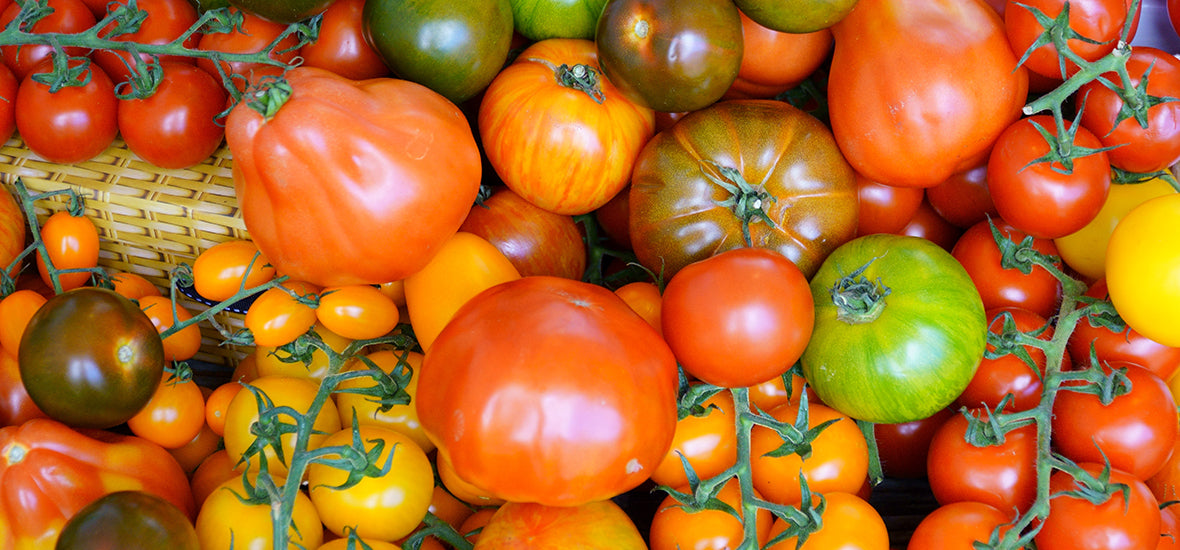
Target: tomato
[614, 218]
[458, 63]
[278, 316]
[181, 345]
[1149, 148]
[645, 299]
[459, 487]
[558, 83]
[474, 524]
[849, 523]
[357, 312]
[344, 543]
[1127, 519]
[73, 124]
[254, 34]
[192, 454]
[217, 404]
[899, 358]
[760, 166]
[895, 62]
[1135, 431]
[165, 21]
[401, 418]
[839, 458]
[884, 208]
[341, 46]
[283, 13]
[1141, 266]
[1037, 291]
[597, 525]
[270, 360]
[16, 406]
[1170, 527]
[176, 127]
[67, 16]
[796, 16]
[243, 416]
[227, 521]
[669, 55]
[1035, 196]
[673, 527]
[902, 447]
[707, 442]
[72, 243]
[774, 62]
[755, 304]
[927, 224]
[321, 213]
[49, 472]
[1099, 21]
[1009, 374]
[223, 269]
[216, 469]
[15, 311]
[540, 19]
[1002, 475]
[1174, 14]
[1084, 250]
[133, 286]
[522, 359]
[90, 358]
[449, 508]
[131, 518]
[386, 506]
[1115, 342]
[958, 526]
[8, 87]
[963, 199]
[173, 416]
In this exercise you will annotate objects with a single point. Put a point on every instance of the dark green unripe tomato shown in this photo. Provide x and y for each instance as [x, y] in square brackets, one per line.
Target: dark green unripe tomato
[541, 19]
[90, 358]
[453, 48]
[128, 519]
[282, 11]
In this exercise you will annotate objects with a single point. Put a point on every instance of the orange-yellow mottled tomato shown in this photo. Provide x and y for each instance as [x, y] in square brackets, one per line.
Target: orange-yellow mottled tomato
[597, 525]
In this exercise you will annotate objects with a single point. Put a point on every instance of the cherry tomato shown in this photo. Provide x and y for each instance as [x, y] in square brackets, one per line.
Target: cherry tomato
[928, 225]
[838, 462]
[774, 62]
[1100, 21]
[1131, 519]
[217, 403]
[177, 126]
[282, 391]
[181, 345]
[67, 16]
[192, 454]
[708, 442]
[400, 418]
[230, 519]
[223, 269]
[885, 208]
[165, 21]
[1142, 260]
[173, 416]
[73, 124]
[1038, 291]
[644, 297]
[133, 286]
[269, 360]
[341, 46]
[8, 87]
[252, 36]
[902, 447]
[674, 528]
[277, 317]
[849, 523]
[958, 526]
[15, 311]
[963, 199]
[72, 243]
[357, 312]
[1009, 374]
[1001, 475]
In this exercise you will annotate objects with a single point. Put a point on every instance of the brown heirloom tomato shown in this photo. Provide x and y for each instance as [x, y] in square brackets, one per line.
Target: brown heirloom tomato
[90, 358]
[549, 390]
[760, 166]
[127, 519]
[535, 240]
[905, 108]
[343, 167]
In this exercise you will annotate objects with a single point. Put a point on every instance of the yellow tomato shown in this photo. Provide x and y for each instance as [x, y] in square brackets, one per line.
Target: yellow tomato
[1143, 269]
[270, 360]
[359, 312]
[226, 522]
[466, 265]
[401, 418]
[283, 391]
[223, 269]
[1085, 249]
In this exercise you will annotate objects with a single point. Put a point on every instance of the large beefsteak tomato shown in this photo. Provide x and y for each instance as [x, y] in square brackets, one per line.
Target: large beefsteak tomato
[741, 173]
[899, 329]
[919, 89]
[352, 181]
[549, 390]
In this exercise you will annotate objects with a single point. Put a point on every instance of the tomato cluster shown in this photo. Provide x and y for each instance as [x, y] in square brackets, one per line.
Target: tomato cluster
[752, 259]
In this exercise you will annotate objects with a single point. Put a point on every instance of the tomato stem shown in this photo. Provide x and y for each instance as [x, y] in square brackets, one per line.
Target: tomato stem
[748, 202]
[582, 78]
[857, 299]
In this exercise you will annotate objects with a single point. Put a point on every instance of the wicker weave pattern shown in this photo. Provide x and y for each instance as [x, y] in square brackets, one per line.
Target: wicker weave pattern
[149, 219]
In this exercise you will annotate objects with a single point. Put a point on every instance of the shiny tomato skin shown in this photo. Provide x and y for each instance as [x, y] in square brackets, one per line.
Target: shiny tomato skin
[15, 311]
[755, 303]
[838, 462]
[225, 268]
[72, 243]
[226, 522]
[707, 442]
[15, 404]
[276, 318]
[674, 527]
[678, 184]
[891, 118]
[125, 519]
[1038, 291]
[71, 125]
[90, 358]
[254, 34]
[885, 208]
[774, 62]
[400, 418]
[341, 46]
[1118, 523]
[1008, 374]
[957, 526]
[599, 525]
[963, 199]
[181, 345]
[514, 351]
[902, 447]
[8, 87]
[670, 56]
[540, 19]
[357, 312]
[849, 523]
[282, 391]
[1141, 265]
[536, 241]
[173, 416]
[1098, 20]
[1001, 475]
[68, 16]
[177, 126]
[166, 21]
[133, 286]
[929, 225]
[1111, 345]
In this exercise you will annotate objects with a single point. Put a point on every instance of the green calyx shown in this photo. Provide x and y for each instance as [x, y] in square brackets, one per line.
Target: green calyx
[748, 202]
[857, 299]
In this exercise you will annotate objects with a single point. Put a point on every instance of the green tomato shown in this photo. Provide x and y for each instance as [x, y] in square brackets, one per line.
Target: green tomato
[279, 11]
[796, 16]
[899, 329]
[453, 48]
[541, 19]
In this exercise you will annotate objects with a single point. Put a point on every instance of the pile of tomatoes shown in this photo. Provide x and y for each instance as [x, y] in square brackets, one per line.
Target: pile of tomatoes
[602, 274]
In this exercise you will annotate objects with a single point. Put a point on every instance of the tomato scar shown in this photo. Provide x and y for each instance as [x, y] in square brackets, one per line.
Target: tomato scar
[14, 453]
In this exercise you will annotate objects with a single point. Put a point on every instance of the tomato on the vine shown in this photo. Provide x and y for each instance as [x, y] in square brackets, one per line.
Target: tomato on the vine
[1116, 342]
[839, 459]
[177, 126]
[708, 443]
[181, 345]
[357, 312]
[66, 16]
[230, 518]
[279, 315]
[1037, 291]
[223, 269]
[958, 526]
[165, 21]
[73, 124]
[402, 417]
[1009, 374]
[849, 523]
[278, 391]
[1129, 517]
[1100, 22]
[674, 528]
[341, 46]
[72, 243]
[173, 416]
[1003, 475]
[254, 34]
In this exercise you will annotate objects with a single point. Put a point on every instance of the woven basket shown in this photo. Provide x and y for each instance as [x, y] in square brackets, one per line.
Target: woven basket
[149, 219]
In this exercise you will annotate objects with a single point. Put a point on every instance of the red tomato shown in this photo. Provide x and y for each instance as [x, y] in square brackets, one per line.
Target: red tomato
[535, 240]
[1034, 196]
[177, 126]
[839, 458]
[1098, 20]
[902, 447]
[342, 166]
[1001, 475]
[577, 390]
[67, 16]
[958, 526]
[963, 199]
[1038, 291]
[1135, 431]
[70, 125]
[884, 208]
[895, 64]
[341, 46]
[1123, 521]
[252, 36]
[1174, 14]
[8, 88]
[756, 306]
[72, 243]
[1117, 342]
[774, 62]
[928, 225]
[165, 22]
[174, 415]
[1008, 374]
[557, 83]
[1139, 149]
[707, 442]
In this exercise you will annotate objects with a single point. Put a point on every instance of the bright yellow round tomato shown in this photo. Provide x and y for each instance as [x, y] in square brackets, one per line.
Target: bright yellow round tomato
[1085, 249]
[466, 265]
[223, 269]
[359, 312]
[373, 544]
[283, 391]
[276, 318]
[401, 418]
[270, 360]
[385, 507]
[226, 522]
[1143, 269]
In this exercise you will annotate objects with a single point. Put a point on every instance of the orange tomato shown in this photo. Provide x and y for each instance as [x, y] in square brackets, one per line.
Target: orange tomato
[217, 403]
[223, 269]
[477, 520]
[643, 297]
[839, 459]
[400, 418]
[133, 286]
[15, 311]
[596, 525]
[277, 318]
[358, 312]
[674, 528]
[774, 62]
[192, 454]
[269, 360]
[708, 442]
[217, 468]
[173, 416]
[849, 523]
[72, 243]
[181, 345]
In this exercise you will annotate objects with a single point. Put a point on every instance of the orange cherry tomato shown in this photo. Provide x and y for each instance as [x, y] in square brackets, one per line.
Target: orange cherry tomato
[643, 297]
[400, 418]
[276, 318]
[839, 459]
[72, 243]
[270, 360]
[192, 454]
[134, 286]
[848, 522]
[225, 268]
[674, 528]
[173, 416]
[708, 442]
[479, 519]
[358, 312]
[217, 468]
[15, 311]
[178, 346]
[217, 403]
